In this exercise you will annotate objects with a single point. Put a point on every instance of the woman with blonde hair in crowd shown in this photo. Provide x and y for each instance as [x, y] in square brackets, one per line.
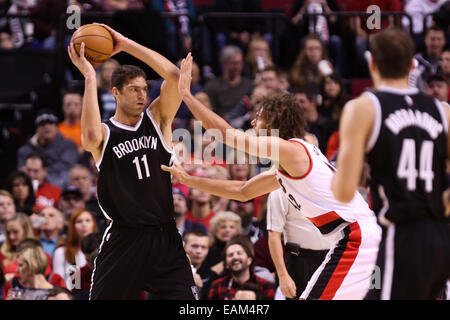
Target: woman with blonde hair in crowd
[17, 228]
[82, 222]
[223, 226]
[31, 283]
[306, 72]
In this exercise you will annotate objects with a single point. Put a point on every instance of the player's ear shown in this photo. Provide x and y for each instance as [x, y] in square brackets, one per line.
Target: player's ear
[115, 91]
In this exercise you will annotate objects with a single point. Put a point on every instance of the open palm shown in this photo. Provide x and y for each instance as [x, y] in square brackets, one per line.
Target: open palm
[184, 83]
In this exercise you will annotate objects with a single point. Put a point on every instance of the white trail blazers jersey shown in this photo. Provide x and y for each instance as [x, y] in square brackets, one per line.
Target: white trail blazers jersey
[311, 194]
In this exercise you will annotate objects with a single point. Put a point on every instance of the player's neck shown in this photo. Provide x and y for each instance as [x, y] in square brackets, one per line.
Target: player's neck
[401, 83]
[128, 120]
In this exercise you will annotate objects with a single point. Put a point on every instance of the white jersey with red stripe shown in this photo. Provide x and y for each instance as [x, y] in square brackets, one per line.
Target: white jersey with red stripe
[311, 194]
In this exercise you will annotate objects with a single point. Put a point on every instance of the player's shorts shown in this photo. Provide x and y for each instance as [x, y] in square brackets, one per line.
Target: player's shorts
[132, 260]
[348, 269]
[414, 259]
[301, 264]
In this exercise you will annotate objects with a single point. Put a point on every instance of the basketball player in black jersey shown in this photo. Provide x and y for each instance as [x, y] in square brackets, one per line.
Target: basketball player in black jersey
[141, 248]
[404, 134]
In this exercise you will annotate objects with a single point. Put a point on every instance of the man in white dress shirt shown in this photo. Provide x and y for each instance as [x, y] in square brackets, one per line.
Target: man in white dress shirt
[305, 246]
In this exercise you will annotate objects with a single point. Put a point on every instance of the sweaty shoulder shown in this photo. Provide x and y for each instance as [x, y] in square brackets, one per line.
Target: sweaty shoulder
[361, 105]
[359, 117]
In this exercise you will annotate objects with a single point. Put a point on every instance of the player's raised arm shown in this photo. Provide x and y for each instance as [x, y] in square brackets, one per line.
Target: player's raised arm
[230, 189]
[169, 100]
[354, 130]
[272, 147]
[92, 130]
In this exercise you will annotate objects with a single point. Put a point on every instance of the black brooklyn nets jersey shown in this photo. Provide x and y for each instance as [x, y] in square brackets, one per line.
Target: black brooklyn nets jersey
[132, 189]
[407, 154]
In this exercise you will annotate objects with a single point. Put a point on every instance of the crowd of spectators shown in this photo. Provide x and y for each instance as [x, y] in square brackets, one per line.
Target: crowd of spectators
[50, 220]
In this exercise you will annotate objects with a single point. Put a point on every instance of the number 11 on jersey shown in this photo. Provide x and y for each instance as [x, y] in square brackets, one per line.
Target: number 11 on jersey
[138, 166]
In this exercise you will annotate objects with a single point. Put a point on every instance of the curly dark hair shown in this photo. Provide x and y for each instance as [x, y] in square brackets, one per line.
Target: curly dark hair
[282, 112]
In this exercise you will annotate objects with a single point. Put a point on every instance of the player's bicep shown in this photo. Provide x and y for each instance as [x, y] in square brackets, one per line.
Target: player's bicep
[356, 122]
[97, 149]
[168, 102]
[270, 147]
[93, 141]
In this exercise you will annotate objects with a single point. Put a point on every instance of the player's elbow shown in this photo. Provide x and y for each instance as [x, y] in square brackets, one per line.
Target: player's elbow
[342, 192]
[343, 195]
[173, 75]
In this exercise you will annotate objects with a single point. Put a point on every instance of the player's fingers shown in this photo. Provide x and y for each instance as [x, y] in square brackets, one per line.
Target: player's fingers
[103, 25]
[82, 50]
[70, 50]
[72, 53]
[292, 291]
[165, 168]
[287, 294]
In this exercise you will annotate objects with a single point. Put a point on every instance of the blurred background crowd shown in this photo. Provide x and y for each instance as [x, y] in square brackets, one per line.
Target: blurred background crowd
[50, 221]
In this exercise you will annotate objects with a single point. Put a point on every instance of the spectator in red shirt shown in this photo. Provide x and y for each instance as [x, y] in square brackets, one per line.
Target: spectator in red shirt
[47, 194]
[238, 261]
[200, 208]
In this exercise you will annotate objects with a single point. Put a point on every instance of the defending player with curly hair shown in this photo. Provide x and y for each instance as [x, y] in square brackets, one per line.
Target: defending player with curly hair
[282, 112]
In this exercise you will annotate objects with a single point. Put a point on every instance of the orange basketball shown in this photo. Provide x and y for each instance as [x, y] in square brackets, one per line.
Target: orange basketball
[98, 43]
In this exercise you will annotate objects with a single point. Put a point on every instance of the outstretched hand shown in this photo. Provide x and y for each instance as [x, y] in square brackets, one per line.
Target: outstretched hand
[184, 82]
[119, 39]
[80, 61]
[177, 171]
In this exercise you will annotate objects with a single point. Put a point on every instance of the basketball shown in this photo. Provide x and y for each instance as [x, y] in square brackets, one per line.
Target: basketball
[98, 43]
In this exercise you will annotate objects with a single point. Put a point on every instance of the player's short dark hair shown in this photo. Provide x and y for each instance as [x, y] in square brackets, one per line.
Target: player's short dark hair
[38, 155]
[122, 74]
[248, 286]
[282, 112]
[57, 290]
[91, 242]
[392, 50]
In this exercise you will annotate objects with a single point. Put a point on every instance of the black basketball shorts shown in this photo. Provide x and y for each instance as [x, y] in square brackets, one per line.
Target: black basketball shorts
[414, 261]
[132, 260]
